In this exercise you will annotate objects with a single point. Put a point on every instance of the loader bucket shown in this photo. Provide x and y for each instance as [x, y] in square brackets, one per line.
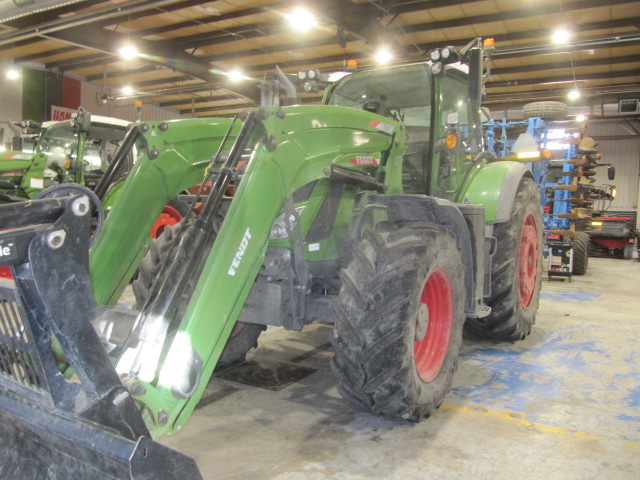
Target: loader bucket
[52, 427]
[44, 444]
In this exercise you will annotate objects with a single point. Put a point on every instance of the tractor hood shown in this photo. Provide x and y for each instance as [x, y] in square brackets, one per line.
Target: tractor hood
[11, 161]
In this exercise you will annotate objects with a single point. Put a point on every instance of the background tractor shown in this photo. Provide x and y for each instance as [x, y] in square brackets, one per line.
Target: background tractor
[379, 211]
[48, 154]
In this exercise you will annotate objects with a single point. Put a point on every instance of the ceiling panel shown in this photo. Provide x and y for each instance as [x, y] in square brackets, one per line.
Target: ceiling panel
[188, 45]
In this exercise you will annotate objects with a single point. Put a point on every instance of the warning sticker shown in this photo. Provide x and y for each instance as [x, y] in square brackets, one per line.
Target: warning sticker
[18, 156]
[364, 161]
[385, 127]
[36, 183]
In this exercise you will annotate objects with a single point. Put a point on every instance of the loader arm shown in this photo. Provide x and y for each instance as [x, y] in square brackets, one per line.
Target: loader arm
[168, 164]
[151, 382]
[169, 369]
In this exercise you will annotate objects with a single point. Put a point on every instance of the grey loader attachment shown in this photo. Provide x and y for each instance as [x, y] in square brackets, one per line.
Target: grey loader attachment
[50, 426]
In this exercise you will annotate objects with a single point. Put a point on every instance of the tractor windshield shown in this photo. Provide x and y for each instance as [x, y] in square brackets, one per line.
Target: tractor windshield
[59, 143]
[402, 93]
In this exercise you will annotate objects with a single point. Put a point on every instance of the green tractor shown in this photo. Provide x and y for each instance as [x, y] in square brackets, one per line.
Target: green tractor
[378, 211]
[53, 158]
[47, 158]
[53, 153]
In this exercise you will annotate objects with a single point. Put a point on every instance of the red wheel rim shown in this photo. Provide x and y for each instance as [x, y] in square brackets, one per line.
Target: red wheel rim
[431, 344]
[528, 260]
[169, 216]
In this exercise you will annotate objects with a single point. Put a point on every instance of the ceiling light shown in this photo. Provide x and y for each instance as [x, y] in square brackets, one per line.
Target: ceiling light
[236, 75]
[560, 36]
[13, 74]
[574, 95]
[302, 20]
[128, 52]
[383, 56]
[127, 90]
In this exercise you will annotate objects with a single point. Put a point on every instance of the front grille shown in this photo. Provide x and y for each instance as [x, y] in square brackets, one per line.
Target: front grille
[18, 357]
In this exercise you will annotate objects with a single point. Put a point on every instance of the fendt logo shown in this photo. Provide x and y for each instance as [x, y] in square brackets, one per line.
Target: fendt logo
[7, 249]
[241, 249]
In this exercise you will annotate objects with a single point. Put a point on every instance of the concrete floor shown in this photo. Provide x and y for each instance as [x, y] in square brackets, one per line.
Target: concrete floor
[562, 404]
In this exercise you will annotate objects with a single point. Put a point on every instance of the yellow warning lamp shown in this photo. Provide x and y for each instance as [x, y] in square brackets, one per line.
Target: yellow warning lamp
[489, 46]
[452, 141]
[352, 65]
[547, 154]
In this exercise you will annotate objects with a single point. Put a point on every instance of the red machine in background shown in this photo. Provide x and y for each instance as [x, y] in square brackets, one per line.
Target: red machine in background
[613, 236]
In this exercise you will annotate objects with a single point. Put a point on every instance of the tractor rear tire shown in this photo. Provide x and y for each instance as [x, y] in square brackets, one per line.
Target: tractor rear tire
[580, 244]
[516, 272]
[244, 336]
[546, 110]
[399, 320]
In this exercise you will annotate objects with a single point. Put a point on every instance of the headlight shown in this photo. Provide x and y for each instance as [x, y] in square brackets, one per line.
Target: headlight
[279, 228]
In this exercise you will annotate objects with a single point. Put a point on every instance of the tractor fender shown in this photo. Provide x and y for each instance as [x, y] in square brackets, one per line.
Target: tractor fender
[420, 208]
[495, 187]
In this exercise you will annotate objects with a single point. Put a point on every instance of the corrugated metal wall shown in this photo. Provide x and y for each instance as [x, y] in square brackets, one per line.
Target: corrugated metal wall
[11, 105]
[124, 109]
[624, 154]
[10, 102]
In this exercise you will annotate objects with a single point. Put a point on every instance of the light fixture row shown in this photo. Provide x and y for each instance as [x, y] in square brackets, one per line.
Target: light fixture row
[303, 21]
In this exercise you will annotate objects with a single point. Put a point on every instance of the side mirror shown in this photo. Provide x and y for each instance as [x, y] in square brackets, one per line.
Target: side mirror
[475, 76]
[81, 120]
[611, 172]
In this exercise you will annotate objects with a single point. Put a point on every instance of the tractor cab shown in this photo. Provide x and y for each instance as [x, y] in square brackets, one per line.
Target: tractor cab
[430, 107]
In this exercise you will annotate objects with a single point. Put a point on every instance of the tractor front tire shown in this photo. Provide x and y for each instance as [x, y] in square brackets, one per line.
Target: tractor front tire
[516, 272]
[172, 213]
[244, 336]
[580, 244]
[399, 320]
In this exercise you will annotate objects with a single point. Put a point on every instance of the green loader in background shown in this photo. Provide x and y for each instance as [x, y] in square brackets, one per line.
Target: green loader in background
[53, 153]
[378, 211]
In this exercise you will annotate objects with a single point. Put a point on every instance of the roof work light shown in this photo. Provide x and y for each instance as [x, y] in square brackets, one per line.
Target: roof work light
[443, 56]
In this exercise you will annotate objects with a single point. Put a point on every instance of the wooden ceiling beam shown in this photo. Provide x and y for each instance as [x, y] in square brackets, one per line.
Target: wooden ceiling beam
[550, 9]
[564, 79]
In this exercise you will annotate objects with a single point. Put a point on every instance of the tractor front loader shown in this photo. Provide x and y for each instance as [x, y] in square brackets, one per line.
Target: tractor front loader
[378, 211]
